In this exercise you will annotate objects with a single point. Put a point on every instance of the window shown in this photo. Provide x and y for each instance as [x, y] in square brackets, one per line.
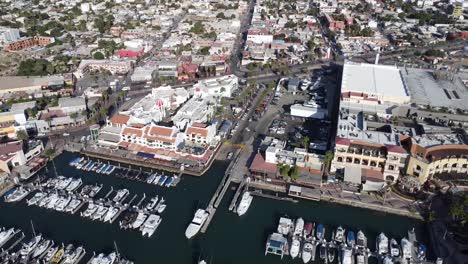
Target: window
[454, 165]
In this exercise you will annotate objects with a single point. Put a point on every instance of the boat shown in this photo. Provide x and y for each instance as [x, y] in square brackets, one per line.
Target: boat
[45, 200]
[382, 244]
[150, 225]
[151, 178]
[161, 208]
[41, 248]
[331, 254]
[320, 232]
[162, 180]
[351, 239]
[100, 212]
[360, 259]
[421, 252]
[406, 250]
[63, 183]
[86, 189]
[58, 256]
[111, 213]
[295, 247]
[299, 227]
[307, 252]
[81, 164]
[244, 203]
[308, 230]
[394, 248]
[54, 198]
[152, 203]
[17, 194]
[229, 155]
[196, 224]
[63, 203]
[29, 247]
[128, 219]
[339, 235]
[95, 190]
[75, 256]
[387, 260]
[90, 210]
[347, 256]
[110, 169]
[139, 220]
[169, 182]
[6, 235]
[75, 161]
[323, 251]
[103, 259]
[73, 205]
[50, 254]
[361, 240]
[74, 184]
[285, 226]
[69, 250]
[276, 244]
[121, 195]
[102, 168]
[36, 198]
[156, 179]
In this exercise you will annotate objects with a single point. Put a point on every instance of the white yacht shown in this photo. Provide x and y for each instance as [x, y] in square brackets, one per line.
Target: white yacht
[74, 184]
[45, 200]
[244, 203]
[197, 222]
[100, 212]
[161, 208]
[295, 247]
[394, 248]
[150, 226]
[103, 259]
[152, 203]
[54, 198]
[139, 220]
[17, 195]
[299, 229]
[109, 216]
[360, 259]
[73, 205]
[285, 226]
[41, 248]
[347, 256]
[63, 183]
[382, 244]
[62, 203]
[307, 252]
[36, 198]
[50, 254]
[74, 256]
[406, 249]
[340, 235]
[6, 235]
[90, 210]
[29, 247]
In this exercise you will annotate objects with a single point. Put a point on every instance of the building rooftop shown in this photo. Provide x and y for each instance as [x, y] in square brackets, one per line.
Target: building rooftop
[449, 90]
[377, 80]
[12, 82]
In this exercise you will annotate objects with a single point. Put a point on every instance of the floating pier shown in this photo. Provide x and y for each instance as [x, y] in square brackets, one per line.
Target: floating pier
[239, 190]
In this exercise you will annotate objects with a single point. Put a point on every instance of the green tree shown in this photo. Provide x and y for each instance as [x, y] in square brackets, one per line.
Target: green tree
[306, 142]
[294, 173]
[328, 158]
[98, 55]
[22, 135]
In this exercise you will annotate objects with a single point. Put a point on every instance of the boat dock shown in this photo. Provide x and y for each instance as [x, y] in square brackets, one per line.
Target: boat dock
[220, 191]
[109, 193]
[141, 200]
[239, 190]
[16, 242]
[275, 197]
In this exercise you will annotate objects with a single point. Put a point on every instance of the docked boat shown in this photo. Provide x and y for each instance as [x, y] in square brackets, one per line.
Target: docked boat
[244, 203]
[421, 252]
[295, 247]
[161, 207]
[92, 208]
[339, 235]
[45, 200]
[41, 248]
[351, 239]
[86, 189]
[75, 256]
[6, 235]
[128, 219]
[406, 250]
[307, 252]
[121, 195]
[151, 178]
[29, 247]
[95, 190]
[152, 203]
[382, 244]
[103, 259]
[54, 198]
[320, 232]
[169, 182]
[156, 179]
[69, 250]
[387, 260]
[100, 212]
[361, 240]
[347, 256]
[196, 224]
[63, 203]
[360, 259]
[299, 228]
[17, 194]
[323, 254]
[110, 169]
[394, 248]
[75, 161]
[102, 168]
[81, 164]
[50, 254]
[63, 183]
[111, 213]
[162, 180]
[74, 184]
[36, 198]
[308, 230]
[285, 226]
[139, 220]
[331, 254]
[58, 256]
[150, 225]
[73, 205]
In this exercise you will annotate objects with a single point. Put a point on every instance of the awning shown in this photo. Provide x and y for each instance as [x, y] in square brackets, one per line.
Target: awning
[353, 175]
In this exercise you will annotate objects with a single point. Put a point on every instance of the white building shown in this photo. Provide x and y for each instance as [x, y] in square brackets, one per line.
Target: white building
[9, 35]
[308, 110]
[220, 86]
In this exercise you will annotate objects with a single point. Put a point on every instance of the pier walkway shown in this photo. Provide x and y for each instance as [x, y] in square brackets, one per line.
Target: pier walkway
[220, 191]
[239, 190]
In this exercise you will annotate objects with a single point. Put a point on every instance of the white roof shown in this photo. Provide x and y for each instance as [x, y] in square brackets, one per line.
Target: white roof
[373, 79]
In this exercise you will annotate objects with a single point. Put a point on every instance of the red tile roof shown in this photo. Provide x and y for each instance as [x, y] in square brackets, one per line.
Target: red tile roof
[197, 131]
[160, 131]
[259, 164]
[119, 119]
[342, 141]
[132, 131]
[396, 149]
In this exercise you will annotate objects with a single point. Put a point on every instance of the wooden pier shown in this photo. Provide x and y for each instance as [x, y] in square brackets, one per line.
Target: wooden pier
[109, 193]
[239, 190]
[16, 242]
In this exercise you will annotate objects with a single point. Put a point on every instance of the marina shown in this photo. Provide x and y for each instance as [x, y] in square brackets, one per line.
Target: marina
[250, 232]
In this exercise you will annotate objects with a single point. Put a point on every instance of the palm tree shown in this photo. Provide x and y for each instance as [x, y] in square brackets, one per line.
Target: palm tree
[49, 153]
[74, 116]
[305, 142]
[22, 135]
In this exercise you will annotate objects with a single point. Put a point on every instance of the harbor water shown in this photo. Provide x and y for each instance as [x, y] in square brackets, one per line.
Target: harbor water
[229, 238]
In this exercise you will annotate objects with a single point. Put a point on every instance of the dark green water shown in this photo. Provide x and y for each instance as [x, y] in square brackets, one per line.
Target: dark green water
[229, 239]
